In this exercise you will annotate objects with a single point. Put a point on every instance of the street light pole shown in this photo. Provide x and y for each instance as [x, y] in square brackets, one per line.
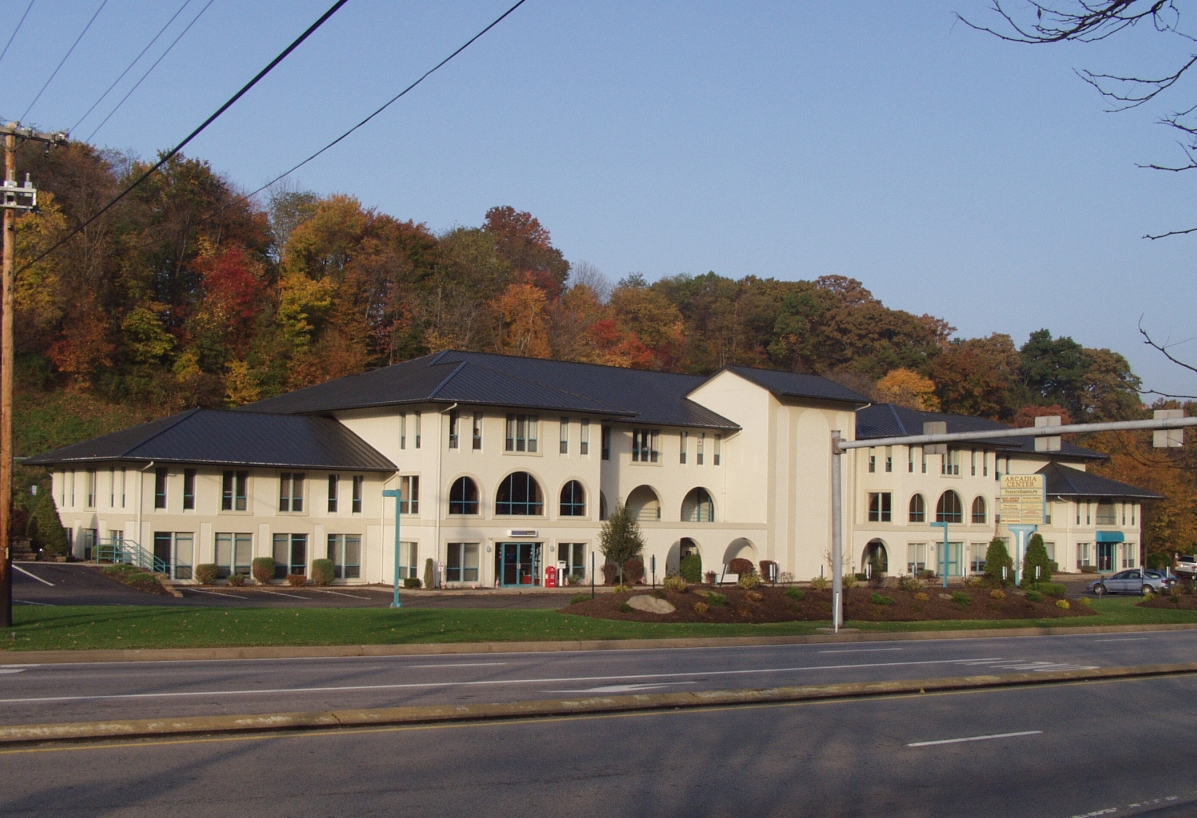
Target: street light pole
[398, 495]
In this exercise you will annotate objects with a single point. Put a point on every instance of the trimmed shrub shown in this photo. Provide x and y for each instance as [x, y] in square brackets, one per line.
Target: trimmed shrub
[860, 577]
[1088, 569]
[297, 580]
[205, 574]
[576, 598]
[1034, 596]
[411, 582]
[769, 570]
[962, 599]
[1055, 589]
[429, 573]
[716, 599]
[1062, 603]
[1084, 602]
[44, 529]
[674, 583]
[820, 583]
[323, 572]
[691, 568]
[796, 594]
[740, 566]
[878, 599]
[927, 573]
[1036, 558]
[701, 608]
[997, 593]
[610, 573]
[849, 581]
[922, 597]
[749, 581]
[997, 558]
[909, 583]
[263, 570]
[237, 580]
[633, 571]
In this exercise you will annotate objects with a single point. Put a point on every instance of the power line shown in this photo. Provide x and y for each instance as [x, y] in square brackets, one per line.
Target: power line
[388, 103]
[149, 71]
[167, 157]
[130, 67]
[13, 36]
[64, 59]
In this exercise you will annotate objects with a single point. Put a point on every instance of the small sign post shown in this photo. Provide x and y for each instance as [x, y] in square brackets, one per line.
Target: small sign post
[398, 495]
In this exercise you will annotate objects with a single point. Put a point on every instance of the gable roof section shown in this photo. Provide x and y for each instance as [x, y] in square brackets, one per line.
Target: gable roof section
[1065, 482]
[890, 420]
[798, 385]
[224, 438]
[483, 379]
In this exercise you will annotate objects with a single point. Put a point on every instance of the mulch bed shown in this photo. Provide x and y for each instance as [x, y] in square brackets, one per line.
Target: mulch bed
[768, 604]
[134, 578]
[1176, 602]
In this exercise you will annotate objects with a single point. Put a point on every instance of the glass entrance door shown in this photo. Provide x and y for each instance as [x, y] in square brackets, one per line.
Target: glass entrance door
[519, 563]
[1105, 556]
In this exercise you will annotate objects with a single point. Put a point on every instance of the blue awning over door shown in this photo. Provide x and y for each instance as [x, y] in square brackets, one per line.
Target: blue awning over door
[1110, 536]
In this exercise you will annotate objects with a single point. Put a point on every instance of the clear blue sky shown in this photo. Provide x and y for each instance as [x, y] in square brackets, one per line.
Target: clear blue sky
[954, 174]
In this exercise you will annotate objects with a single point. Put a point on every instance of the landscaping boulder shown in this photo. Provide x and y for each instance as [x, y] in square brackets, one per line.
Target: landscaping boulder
[650, 604]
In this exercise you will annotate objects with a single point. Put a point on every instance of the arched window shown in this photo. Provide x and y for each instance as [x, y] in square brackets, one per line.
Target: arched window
[949, 509]
[643, 505]
[602, 506]
[698, 507]
[463, 496]
[918, 509]
[519, 494]
[979, 510]
[573, 500]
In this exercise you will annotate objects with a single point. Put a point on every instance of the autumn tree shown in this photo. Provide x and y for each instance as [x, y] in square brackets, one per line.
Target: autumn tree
[909, 389]
[975, 376]
[526, 245]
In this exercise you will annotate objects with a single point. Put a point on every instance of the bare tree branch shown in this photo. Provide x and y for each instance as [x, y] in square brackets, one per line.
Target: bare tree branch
[1163, 348]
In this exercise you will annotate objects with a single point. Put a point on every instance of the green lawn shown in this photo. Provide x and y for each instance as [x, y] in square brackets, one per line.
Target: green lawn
[80, 628]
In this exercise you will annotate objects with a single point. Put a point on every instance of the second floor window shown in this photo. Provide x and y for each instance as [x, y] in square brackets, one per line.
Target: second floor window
[409, 502]
[334, 484]
[584, 437]
[91, 488]
[701, 444]
[718, 448]
[453, 418]
[232, 491]
[290, 494]
[522, 433]
[477, 431]
[880, 507]
[685, 443]
[359, 483]
[564, 447]
[605, 434]
[159, 488]
[188, 488]
[644, 445]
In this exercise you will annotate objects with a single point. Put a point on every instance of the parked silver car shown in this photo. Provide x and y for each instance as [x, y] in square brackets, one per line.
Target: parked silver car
[1132, 581]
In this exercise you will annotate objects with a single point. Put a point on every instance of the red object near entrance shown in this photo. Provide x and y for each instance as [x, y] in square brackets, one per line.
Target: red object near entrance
[550, 577]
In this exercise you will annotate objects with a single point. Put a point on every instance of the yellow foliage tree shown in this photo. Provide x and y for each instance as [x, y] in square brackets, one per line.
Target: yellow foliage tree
[910, 389]
[523, 322]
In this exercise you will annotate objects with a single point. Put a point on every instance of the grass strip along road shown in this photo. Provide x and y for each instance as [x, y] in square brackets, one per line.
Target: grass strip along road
[116, 628]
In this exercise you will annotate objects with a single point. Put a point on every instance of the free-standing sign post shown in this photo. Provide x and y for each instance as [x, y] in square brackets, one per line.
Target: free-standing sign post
[943, 548]
[1023, 504]
[398, 495]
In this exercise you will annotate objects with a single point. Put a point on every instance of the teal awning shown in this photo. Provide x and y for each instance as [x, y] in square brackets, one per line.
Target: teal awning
[1110, 536]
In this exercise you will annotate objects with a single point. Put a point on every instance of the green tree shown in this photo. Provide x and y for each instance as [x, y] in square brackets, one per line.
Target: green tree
[1036, 558]
[45, 530]
[620, 538]
[997, 558]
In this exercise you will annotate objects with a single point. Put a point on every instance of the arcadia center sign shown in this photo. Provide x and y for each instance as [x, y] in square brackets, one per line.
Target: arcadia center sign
[1023, 499]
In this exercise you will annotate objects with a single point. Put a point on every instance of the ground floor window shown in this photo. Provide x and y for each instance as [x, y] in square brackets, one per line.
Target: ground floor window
[408, 560]
[290, 555]
[174, 553]
[573, 554]
[976, 557]
[916, 557]
[89, 542]
[1050, 548]
[461, 563]
[1084, 555]
[1130, 553]
[345, 551]
[234, 554]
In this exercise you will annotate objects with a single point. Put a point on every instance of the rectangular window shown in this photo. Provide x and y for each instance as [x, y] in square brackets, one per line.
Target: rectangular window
[718, 448]
[359, 484]
[112, 488]
[605, 442]
[1084, 555]
[872, 462]
[409, 502]
[984, 464]
[584, 437]
[889, 459]
[644, 445]
[923, 452]
[345, 551]
[522, 433]
[234, 554]
[910, 459]
[415, 428]
[1130, 552]
[189, 488]
[698, 450]
[976, 560]
[685, 445]
[233, 496]
[290, 555]
[184, 554]
[403, 430]
[159, 489]
[916, 557]
[290, 492]
[573, 554]
[453, 429]
[122, 491]
[477, 431]
[564, 447]
[91, 488]
[461, 563]
[408, 561]
[334, 481]
[90, 535]
[949, 464]
[880, 507]
[67, 476]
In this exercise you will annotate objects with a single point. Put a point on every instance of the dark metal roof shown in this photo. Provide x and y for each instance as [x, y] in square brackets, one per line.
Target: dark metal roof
[482, 379]
[213, 437]
[1065, 482]
[890, 420]
[799, 385]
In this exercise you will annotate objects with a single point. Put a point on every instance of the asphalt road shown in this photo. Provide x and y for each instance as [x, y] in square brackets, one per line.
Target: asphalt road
[33, 694]
[1121, 748]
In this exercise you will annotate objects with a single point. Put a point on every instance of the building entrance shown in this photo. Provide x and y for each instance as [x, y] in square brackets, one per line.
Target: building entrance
[518, 563]
[1106, 561]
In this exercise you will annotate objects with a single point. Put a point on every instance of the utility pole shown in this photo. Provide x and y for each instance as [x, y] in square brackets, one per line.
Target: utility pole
[16, 197]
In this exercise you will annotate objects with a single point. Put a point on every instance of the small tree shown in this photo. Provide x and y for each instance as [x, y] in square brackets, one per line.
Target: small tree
[45, 530]
[620, 538]
[429, 571]
[997, 558]
[691, 568]
[1036, 557]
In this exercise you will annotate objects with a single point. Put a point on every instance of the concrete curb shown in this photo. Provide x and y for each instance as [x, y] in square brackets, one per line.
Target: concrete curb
[26, 657]
[128, 729]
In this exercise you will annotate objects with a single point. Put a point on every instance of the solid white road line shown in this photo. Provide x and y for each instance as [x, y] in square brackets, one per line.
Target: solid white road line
[34, 576]
[862, 650]
[475, 683]
[280, 593]
[973, 738]
[461, 664]
[338, 593]
[27, 602]
[1125, 639]
[215, 593]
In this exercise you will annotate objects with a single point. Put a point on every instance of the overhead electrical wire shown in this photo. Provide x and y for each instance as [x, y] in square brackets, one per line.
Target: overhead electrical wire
[168, 156]
[149, 71]
[130, 66]
[20, 22]
[64, 59]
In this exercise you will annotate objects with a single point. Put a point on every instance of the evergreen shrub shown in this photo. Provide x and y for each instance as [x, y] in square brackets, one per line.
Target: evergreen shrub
[429, 573]
[1034, 596]
[263, 569]
[691, 568]
[205, 573]
[997, 558]
[796, 594]
[411, 582]
[674, 583]
[44, 529]
[323, 572]
[1036, 557]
